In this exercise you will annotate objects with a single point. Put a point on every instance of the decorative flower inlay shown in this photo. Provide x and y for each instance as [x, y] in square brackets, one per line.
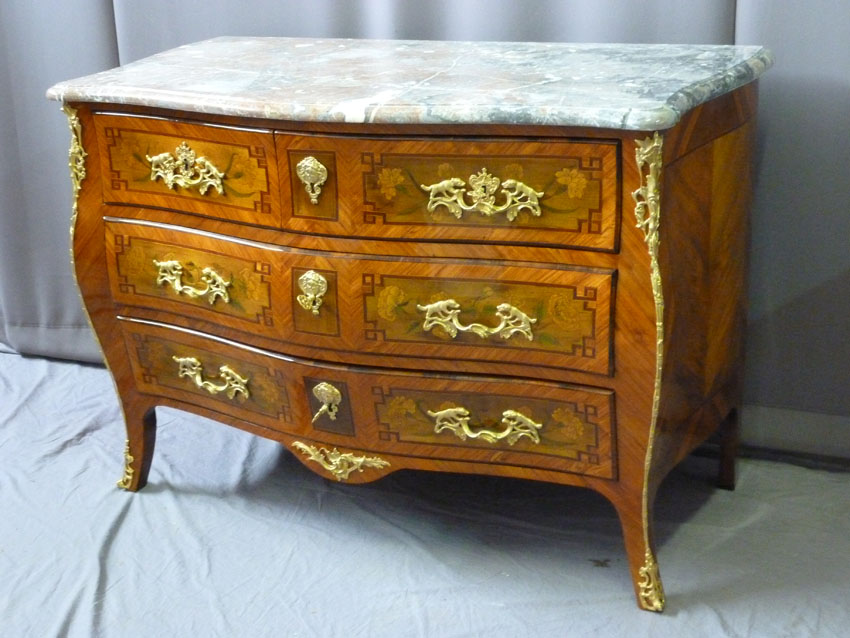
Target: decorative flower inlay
[573, 426]
[565, 312]
[395, 306]
[399, 407]
[388, 179]
[574, 180]
[389, 300]
[513, 171]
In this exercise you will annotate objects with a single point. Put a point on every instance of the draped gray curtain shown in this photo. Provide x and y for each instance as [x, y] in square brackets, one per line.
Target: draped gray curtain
[799, 336]
[42, 43]
[799, 320]
[147, 27]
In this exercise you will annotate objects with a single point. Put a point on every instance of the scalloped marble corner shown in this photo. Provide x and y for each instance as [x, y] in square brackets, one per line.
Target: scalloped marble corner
[618, 86]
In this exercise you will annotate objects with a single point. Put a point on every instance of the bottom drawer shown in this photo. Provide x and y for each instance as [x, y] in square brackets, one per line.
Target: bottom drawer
[475, 419]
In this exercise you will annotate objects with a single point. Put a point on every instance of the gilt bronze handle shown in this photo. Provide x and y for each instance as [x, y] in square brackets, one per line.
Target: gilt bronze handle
[456, 420]
[445, 313]
[232, 383]
[171, 273]
[480, 196]
[185, 169]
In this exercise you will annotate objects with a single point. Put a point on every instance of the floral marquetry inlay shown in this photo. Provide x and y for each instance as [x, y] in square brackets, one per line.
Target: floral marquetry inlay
[547, 318]
[577, 430]
[229, 381]
[154, 161]
[574, 179]
[388, 180]
[568, 193]
[189, 278]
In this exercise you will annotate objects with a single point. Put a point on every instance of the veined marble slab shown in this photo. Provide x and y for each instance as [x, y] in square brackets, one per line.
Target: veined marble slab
[621, 86]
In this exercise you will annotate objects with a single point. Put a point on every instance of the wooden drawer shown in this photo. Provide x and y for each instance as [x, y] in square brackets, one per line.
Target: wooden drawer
[551, 315]
[486, 420]
[549, 192]
[217, 171]
[547, 316]
[221, 281]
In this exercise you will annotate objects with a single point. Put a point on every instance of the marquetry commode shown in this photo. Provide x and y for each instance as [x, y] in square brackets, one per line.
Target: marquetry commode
[524, 260]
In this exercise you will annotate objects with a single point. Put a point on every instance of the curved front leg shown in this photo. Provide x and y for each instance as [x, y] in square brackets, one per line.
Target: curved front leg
[640, 549]
[138, 451]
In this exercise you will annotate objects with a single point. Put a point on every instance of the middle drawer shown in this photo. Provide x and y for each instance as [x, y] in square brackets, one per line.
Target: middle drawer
[552, 315]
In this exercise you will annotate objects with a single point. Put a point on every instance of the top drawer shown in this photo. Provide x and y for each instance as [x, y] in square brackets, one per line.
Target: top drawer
[547, 192]
[552, 192]
[217, 171]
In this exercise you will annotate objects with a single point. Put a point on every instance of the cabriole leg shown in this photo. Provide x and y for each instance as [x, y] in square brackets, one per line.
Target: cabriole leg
[138, 451]
[640, 549]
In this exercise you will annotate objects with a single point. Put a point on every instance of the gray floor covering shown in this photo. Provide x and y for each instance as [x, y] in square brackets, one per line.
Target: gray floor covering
[234, 537]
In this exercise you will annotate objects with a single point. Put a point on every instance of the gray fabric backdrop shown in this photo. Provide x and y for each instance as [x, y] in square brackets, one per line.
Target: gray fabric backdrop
[799, 333]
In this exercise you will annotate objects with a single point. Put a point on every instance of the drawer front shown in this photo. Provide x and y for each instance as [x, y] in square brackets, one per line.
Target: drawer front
[560, 193]
[215, 171]
[549, 316]
[523, 421]
[185, 273]
[484, 420]
[203, 372]
[559, 317]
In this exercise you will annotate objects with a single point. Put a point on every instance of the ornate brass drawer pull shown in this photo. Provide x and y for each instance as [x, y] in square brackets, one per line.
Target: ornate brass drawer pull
[313, 175]
[453, 194]
[445, 314]
[186, 170]
[457, 420]
[330, 398]
[232, 382]
[340, 464]
[313, 286]
[171, 273]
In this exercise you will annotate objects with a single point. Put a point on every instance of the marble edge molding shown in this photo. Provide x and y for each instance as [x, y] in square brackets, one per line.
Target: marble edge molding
[650, 117]
[698, 93]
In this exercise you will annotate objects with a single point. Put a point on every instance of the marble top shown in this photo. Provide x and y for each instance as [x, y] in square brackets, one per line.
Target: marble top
[621, 86]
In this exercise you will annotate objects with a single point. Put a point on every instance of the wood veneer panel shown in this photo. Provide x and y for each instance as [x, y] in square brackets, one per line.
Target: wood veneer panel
[704, 265]
[575, 426]
[557, 316]
[375, 189]
[247, 190]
